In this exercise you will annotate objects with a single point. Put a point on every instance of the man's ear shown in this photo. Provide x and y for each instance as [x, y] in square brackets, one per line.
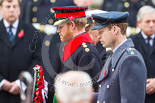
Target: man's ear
[72, 24]
[138, 23]
[0, 10]
[115, 29]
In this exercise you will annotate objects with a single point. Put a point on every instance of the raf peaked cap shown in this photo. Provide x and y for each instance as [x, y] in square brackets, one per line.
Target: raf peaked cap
[64, 13]
[103, 19]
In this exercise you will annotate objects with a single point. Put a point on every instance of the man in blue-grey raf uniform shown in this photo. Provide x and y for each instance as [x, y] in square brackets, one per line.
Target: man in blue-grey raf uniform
[123, 77]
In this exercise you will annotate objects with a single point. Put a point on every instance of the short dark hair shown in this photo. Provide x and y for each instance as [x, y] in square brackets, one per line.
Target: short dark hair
[79, 22]
[1, 1]
[122, 26]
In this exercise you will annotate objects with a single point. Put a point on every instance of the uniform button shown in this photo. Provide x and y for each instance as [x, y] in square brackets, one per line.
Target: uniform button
[133, 30]
[34, 9]
[100, 86]
[108, 86]
[50, 21]
[103, 101]
[98, 101]
[126, 4]
[113, 70]
[142, 3]
[84, 43]
[47, 43]
[87, 50]
[52, 1]
[42, 28]
[52, 11]
[85, 46]
[34, 19]
[35, 0]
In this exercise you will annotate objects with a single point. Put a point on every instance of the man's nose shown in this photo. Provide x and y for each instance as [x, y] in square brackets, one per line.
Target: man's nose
[151, 23]
[58, 30]
[11, 8]
[98, 36]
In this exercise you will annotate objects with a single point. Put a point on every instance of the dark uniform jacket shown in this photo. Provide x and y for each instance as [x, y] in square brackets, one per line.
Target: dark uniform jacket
[123, 77]
[21, 55]
[102, 52]
[149, 58]
[81, 54]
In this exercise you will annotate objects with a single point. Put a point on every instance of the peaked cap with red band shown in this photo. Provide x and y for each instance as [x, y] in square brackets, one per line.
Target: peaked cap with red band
[64, 13]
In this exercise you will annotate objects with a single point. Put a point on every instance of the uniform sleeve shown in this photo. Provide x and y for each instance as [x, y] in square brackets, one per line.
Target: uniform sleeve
[92, 65]
[36, 52]
[132, 80]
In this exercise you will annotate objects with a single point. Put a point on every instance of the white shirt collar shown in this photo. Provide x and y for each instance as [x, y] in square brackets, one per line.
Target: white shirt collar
[15, 24]
[145, 36]
[119, 46]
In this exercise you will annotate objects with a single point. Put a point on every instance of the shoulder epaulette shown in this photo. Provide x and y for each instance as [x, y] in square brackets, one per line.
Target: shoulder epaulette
[85, 46]
[131, 51]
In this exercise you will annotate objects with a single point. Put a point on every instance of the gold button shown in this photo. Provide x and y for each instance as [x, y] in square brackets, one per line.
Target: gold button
[52, 1]
[47, 42]
[42, 28]
[48, 34]
[34, 9]
[108, 86]
[50, 21]
[34, 19]
[100, 86]
[35, 0]
[84, 43]
[98, 101]
[132, 53]
[52, 11]
[85, 46]
[133, 30]
[87, 50]
[142, 3]
[113, 70]
[103, 101]
[126, 4]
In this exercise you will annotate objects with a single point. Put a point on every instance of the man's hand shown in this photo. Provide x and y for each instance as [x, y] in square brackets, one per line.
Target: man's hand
[150, 87]
[14, 89]
[7, 86]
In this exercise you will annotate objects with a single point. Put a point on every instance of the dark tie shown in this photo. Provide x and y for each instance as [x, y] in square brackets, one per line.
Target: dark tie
[148, 43]
[11, 33]
[110, 55]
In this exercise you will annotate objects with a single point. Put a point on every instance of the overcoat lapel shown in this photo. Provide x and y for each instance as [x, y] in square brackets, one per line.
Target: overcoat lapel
[17, 39]
[4, 37]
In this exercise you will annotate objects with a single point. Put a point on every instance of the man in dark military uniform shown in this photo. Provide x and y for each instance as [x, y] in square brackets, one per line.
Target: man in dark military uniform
[79, 53]
[93, 32]
[144, 42]
[123, 77]
[40, 14]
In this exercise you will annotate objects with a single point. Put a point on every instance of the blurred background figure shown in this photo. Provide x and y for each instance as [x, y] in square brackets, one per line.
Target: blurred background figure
[83, 3]
[18, 51]
[74, 87]
[130, 6]
[144, 42]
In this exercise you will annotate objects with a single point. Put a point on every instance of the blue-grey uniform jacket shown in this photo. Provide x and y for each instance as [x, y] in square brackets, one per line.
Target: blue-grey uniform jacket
[123, 77]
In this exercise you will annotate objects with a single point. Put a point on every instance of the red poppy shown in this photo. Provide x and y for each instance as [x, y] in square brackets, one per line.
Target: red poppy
[21, 33]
